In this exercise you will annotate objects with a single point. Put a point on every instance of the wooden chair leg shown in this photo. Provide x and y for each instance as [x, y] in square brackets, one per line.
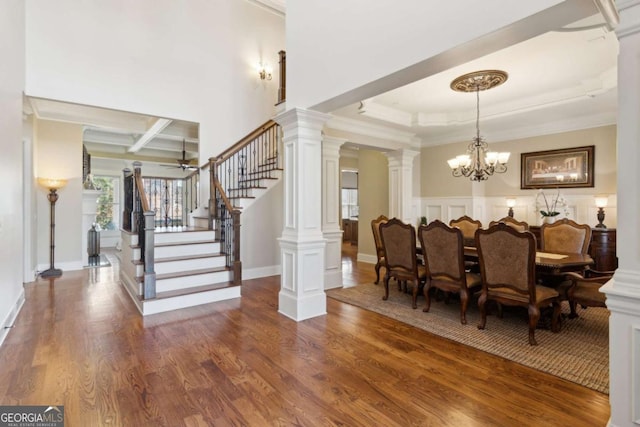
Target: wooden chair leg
[483, 311]
[427, 298]
[416, 286]
[572, 306]
[386, 288]
[534, 316]
[557, 318]
[464, 300]
[377, 273]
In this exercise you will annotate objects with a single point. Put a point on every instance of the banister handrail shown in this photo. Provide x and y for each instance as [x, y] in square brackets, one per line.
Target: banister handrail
[244, 141]
[223, 195]
[144, 201]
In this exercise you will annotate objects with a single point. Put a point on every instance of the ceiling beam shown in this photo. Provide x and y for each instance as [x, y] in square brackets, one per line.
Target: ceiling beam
[151, 133]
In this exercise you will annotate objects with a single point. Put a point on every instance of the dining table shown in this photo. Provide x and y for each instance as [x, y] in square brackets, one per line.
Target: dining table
[547, 263]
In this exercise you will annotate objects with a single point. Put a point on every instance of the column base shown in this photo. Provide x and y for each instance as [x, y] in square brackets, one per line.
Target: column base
[302, 280]
[302, 308]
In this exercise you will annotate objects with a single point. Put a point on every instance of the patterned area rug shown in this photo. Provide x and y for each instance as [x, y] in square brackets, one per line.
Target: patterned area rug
[578, 353]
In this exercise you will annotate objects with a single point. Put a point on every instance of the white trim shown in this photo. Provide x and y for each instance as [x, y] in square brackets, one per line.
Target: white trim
[370, 259]
[259, 272]
[64, 266]
[11, 317]
[635, 374]
[363, 128]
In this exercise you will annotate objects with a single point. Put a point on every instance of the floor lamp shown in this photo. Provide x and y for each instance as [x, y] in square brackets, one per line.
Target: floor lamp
[53, 185]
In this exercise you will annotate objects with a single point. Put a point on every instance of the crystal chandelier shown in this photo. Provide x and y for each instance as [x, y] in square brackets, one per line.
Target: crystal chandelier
[478, 164]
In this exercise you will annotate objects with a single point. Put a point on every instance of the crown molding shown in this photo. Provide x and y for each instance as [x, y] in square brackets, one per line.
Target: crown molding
[367, 129]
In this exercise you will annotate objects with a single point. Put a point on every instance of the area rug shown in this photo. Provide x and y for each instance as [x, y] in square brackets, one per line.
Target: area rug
[578, 353]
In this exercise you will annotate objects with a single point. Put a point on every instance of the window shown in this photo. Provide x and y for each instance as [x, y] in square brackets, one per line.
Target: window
[108, 209]
[349, 203]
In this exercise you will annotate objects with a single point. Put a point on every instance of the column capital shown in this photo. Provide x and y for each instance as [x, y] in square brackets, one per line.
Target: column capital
[401, 157]
[300, 117]
[629, 24]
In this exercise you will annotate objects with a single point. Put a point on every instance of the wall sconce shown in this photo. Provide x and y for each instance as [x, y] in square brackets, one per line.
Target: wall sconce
[511, 202]
[601, 203]
[264, 71]
[53, 185]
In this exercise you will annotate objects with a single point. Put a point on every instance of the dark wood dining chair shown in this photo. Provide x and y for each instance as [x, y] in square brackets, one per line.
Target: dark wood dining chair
[514, 223]
[507, 266]
[400, 256]
[443, 253]
[565, 236]
[468, 226]
[375, 227]
[584, 289]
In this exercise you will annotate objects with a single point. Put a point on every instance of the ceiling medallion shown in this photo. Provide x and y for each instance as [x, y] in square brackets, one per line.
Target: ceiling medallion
[479, 80]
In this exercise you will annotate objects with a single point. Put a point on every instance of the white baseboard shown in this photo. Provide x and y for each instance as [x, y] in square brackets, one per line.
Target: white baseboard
[10, 318]
[64, 266]
[371, 259]
[258, 272]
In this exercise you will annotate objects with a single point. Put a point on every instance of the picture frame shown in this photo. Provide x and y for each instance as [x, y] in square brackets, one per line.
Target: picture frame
[564, 168]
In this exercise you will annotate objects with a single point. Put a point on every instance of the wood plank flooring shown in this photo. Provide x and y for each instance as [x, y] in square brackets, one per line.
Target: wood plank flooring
[79, 342]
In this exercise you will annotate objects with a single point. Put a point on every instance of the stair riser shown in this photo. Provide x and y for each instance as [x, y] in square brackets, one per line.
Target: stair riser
[190, 300]
[185, 282]
[187, 250]
[188, 264]
[190, 236]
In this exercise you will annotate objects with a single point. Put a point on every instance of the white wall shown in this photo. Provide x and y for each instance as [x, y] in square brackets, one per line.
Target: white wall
[11, 214]
[190, 60]
[369, 40]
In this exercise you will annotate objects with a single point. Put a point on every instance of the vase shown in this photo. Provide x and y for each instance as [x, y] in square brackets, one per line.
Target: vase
[548, 219]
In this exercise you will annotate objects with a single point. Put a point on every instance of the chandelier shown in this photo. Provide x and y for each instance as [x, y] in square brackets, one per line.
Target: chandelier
[478, 164]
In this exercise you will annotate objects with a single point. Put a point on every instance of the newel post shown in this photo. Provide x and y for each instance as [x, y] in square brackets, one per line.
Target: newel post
[237, 264]
[213, 205]
[149, 290]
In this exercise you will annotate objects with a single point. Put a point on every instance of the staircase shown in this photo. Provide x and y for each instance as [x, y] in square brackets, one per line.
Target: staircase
[187, 266]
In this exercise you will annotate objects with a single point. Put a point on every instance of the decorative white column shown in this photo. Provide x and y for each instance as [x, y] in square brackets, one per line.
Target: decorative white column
[401, 184]
[331, 211]
[302, 245]
[623, 292]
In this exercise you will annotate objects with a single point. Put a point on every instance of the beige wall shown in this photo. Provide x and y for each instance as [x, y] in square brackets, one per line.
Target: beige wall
[58, 154]
[373, 192]
[437, 180]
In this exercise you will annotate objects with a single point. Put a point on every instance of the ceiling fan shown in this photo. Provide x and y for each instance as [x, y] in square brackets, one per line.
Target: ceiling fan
[183, 163]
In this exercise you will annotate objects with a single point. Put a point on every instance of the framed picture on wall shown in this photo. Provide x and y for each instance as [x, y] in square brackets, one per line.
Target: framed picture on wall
[566, 168]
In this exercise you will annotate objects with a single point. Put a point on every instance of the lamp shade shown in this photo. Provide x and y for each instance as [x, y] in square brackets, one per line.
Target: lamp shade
[52, 183]
[601, 201]
[511, 202]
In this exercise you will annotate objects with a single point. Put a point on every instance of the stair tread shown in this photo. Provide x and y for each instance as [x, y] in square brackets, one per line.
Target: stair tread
[187, 229]
[251, 187]
[187, 257]
[185, 242]
[241, 197]
[185, 273]
[193, 290]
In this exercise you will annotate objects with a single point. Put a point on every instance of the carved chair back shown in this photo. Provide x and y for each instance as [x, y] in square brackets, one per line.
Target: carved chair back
[513, 223]
[565, 236]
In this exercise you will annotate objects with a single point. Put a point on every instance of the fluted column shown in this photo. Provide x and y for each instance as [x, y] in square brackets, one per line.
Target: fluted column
[331, 211]
[623, 292]
[302, 245]
[401, 184]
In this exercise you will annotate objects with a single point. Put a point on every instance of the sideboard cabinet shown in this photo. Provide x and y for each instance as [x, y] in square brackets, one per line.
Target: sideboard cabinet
[602, 248]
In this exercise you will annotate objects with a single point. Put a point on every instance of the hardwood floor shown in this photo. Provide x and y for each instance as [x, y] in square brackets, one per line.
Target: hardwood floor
[79, 342]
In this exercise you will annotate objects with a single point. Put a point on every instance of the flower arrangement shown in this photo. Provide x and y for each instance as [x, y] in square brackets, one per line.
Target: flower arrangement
[552, 205]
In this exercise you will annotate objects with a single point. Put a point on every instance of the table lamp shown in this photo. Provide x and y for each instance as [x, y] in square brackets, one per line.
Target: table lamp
[601, 203]
[511, 202]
